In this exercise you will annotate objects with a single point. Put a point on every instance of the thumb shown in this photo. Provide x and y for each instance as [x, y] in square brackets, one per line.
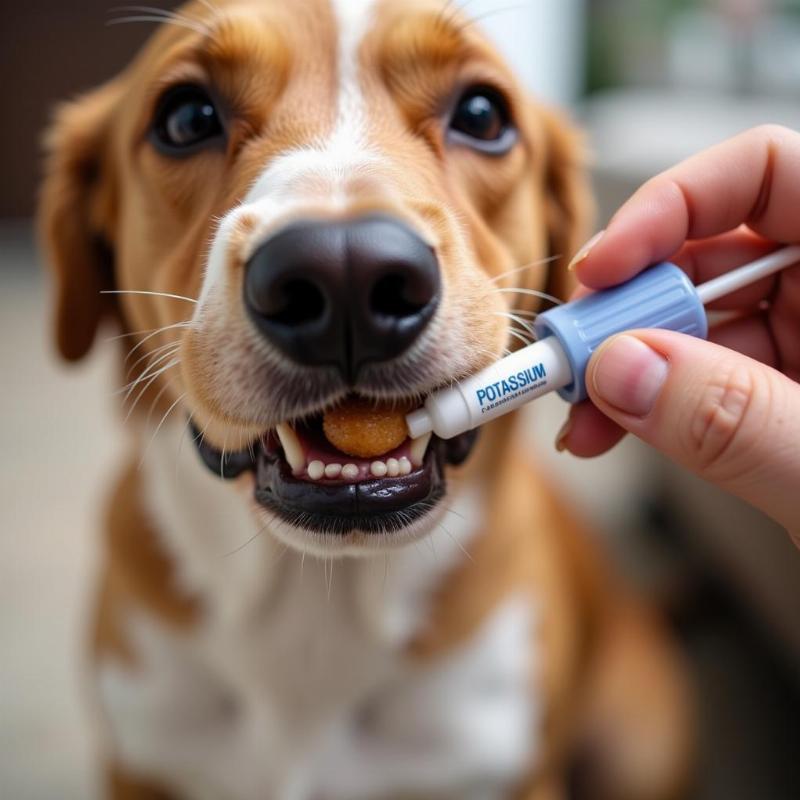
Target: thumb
[728, 418]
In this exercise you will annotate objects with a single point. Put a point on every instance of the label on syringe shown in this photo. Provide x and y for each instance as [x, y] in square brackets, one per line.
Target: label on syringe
[513, 386]
[513, 381]
[518, 378]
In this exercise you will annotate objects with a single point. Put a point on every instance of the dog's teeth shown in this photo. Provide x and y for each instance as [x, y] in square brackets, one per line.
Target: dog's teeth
[292, 448]
[350, 472]
[405, 466]
[378, 469]
[418, 448]
[316, 469]
[392, 467]
[333, 470]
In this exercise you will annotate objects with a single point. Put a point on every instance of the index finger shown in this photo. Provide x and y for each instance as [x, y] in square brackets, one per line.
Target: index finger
[753, 178]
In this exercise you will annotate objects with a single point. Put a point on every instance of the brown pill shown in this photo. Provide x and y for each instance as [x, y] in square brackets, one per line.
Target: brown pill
[365, 430]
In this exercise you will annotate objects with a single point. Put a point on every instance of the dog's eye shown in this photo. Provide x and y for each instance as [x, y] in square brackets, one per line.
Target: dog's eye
[185, 121]
[482, 120]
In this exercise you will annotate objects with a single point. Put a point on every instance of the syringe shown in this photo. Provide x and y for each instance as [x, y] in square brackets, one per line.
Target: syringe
[660, 297]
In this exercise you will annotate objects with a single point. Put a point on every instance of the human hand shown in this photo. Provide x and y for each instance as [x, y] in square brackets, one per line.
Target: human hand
[727, 409]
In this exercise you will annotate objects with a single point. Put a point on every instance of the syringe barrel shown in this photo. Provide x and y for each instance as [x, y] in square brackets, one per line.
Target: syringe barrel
[505, 385]
[660, 297]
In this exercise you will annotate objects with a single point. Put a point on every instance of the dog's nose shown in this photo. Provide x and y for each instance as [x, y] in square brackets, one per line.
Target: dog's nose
[342, 293]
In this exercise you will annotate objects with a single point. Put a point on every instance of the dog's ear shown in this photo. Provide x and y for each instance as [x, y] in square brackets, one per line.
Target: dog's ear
[76, 210]
[569, 205]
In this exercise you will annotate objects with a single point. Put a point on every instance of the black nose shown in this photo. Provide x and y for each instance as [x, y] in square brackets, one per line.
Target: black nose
[342, 293]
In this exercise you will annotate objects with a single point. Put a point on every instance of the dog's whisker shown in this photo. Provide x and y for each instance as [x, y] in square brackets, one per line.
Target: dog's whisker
[455, 8]
[330, 581]
[524, 312]
[250, 540]
[517, 335]
[524, 331]
[151, 294]
[164, 355]
[156, 332]
[491, 13]
[162, 14]
[456, 542]
[482, 351]
[281, 555]
[153, 331]
[215, 10]
[179, 23]
[147, 385]
[158, 397]
[432, 547]
[526, 325]
[417, 547]
[451, 510]
[529, 292]
[524, 267]
[129, 387]
[141, 394]
[158, 428]
[178, 452]
[385, 574]
[174, 346]
[222, 457]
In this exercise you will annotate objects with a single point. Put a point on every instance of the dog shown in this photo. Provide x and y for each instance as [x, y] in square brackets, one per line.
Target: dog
[288, 208]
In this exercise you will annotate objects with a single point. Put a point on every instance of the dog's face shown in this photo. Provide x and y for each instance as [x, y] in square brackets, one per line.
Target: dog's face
[339, 188]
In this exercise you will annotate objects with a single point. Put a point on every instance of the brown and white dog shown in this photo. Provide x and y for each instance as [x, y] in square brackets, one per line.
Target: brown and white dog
[286, 205]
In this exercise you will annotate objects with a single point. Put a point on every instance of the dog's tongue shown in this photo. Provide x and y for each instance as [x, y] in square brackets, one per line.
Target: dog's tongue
[365, 429]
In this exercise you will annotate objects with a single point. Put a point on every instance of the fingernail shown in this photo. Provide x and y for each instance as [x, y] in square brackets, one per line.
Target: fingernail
[583, 253]
[563, 433]
[629, 375]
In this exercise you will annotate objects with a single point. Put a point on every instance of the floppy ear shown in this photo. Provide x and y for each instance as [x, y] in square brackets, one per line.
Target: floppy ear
[569, 204]
[75, 215]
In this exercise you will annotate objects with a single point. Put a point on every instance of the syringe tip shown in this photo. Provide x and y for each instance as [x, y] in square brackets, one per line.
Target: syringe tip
[419, 423]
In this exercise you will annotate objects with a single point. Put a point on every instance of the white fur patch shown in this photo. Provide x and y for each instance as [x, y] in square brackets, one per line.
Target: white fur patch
[322, 713]
[316, 174]
[295, 685]
[204, 521]
[463, 727]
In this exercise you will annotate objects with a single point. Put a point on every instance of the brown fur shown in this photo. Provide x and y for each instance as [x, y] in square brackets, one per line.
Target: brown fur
[123, 786]
[140, 572]
[115, 213]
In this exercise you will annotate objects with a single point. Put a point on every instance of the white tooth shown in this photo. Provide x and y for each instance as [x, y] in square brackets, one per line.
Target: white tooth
[392, 467]
[292, 448]
[418, 448]
[350, 472]
[333, 470]
[405, 466]
[378, 469]
[316, 469]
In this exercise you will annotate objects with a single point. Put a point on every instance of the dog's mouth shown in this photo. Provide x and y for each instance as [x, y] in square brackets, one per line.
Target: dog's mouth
[307, 481]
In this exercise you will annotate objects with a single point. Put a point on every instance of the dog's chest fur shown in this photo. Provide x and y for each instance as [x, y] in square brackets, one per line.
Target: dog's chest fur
[296, 684]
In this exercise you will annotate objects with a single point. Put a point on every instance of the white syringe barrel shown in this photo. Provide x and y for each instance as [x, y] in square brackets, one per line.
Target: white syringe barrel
[513, 381]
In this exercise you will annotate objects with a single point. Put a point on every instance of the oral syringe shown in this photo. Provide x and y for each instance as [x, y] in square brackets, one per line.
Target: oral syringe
[660, 297]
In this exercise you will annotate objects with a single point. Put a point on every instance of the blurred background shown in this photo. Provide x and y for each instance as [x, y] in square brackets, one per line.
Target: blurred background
[651, 82]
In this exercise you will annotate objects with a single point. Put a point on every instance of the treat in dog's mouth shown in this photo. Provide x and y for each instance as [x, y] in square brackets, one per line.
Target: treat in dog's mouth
[353, 467]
